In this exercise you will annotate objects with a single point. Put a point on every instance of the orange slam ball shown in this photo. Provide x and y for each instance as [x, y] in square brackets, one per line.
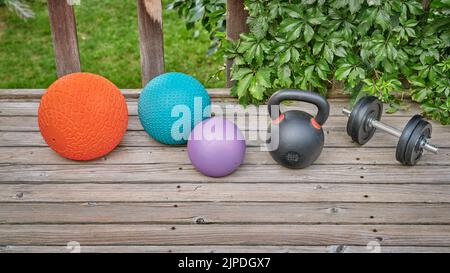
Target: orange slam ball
[83, 116]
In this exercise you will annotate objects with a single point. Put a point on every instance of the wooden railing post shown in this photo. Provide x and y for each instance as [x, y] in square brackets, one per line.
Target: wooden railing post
[151, 39]
[64, 32]
[426, 5]
[236, 24]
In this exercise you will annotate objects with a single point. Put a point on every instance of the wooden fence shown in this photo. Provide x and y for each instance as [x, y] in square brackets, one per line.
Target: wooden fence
[65, 42]
[64, 30]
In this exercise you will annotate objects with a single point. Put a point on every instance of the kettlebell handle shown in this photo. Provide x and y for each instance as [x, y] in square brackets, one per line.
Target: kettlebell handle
[300, 95]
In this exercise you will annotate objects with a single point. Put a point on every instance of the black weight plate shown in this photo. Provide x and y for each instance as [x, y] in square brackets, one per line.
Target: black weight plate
[358, 127]
[414, 150]
[404, 138]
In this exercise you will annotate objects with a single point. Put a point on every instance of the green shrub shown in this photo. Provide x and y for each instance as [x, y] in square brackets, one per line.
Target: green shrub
[384, 48]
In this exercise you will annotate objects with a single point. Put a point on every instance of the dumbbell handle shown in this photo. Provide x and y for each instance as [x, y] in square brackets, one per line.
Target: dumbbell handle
[394, 131]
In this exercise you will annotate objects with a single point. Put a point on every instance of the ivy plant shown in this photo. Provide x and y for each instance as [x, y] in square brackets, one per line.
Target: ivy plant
[387, 48]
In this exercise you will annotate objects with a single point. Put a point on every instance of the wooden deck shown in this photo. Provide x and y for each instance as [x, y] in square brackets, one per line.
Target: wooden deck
[147, 197]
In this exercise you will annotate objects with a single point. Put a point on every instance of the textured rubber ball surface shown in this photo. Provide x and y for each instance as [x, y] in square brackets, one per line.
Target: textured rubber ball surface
[161, 95]
[83, 116]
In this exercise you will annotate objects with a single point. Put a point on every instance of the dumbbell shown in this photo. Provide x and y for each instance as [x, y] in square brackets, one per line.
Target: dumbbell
[364, 119]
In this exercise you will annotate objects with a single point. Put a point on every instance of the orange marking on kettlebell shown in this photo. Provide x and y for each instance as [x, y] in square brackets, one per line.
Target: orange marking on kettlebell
[315, 124]
[278, 119]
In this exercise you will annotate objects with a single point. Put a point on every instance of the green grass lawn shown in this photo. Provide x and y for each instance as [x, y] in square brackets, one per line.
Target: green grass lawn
[109, 46]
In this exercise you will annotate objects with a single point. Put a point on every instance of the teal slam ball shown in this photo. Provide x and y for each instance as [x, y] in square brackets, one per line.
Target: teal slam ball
[170, 106]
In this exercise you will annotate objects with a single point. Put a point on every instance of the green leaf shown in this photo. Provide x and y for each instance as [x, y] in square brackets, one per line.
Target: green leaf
[295, 55]
[383, 19]
[242, 85]
[354, 5]
[284, 74]
[259, 27]
[323, 65]
[328, 54]
[374, 2]
[340, 51]
[293, 11]
[342, 72]
[317, 48]
[285, 57]
[259, 55]
[422, 94]
[196, 14]
[240, 73]
[317, 20]
[256, 90]
[263, 77]
[321, 73]
[289, 25]
[308, 33]
[361, 72]
[249, 55]
[410, 32]
[414, 7]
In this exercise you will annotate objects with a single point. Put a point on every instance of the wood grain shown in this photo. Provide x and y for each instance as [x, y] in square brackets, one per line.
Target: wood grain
[236, 24]
[179, 155]
[179, 173]
[64, 33]
[151, 41]
[398, 235]
[224, 249]
[225, 192]
[217, 213]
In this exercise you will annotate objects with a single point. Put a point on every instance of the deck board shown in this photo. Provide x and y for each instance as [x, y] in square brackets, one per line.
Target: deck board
[225, 249]
[225, 192]
[352, 196]
[185, 172]
[224, 212]
[177, 155]
[252, 122]
[333, 138]
[261, 234]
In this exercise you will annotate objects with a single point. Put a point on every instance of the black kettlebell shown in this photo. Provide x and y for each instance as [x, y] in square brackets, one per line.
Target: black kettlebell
[296, 137]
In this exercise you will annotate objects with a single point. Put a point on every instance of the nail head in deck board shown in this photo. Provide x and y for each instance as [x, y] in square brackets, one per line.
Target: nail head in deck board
[65, 41]
[236, 24]
[151, 39]
[226, 192]
[224, 212]
[396, 235]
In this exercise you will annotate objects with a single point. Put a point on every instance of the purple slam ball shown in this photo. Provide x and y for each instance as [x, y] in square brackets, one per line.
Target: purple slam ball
[216, 147]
